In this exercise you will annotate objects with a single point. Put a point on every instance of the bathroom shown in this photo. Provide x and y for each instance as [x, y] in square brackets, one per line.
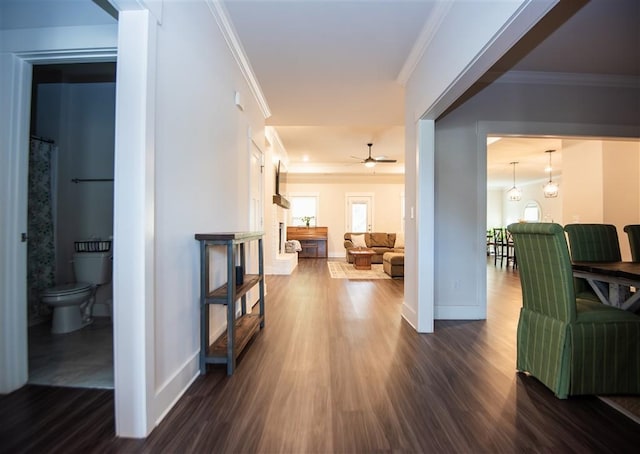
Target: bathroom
[71, 178]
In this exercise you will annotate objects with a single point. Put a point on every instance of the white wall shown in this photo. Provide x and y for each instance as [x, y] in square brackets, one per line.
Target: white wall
[80, 118]
[18, 49]
[613, 189]
[581, 163]
[449, 63]
[181, 167]
[461, 158]
[387, 196]
[275, 261]
[201, 165]
[550, 209]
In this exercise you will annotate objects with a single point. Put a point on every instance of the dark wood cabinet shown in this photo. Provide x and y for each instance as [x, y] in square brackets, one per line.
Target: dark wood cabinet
[240, 329]
[312, 239]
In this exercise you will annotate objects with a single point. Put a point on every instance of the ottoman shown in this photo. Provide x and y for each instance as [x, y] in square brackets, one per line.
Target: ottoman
[393, 264]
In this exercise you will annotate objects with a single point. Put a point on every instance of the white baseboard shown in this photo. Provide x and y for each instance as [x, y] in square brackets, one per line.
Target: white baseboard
[283, 264]
[173, 389]
[410, 315]
[459, 313]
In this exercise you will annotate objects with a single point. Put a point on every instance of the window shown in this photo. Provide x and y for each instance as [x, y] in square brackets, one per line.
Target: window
[531, 212]
[304, 206]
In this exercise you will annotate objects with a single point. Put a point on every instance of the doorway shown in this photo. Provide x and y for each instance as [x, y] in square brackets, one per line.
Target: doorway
[72, 127]
[359, 212]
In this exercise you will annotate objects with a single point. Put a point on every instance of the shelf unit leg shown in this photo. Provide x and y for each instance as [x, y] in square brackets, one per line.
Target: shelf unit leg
[204, 309]
[231, 309]
[261, 285]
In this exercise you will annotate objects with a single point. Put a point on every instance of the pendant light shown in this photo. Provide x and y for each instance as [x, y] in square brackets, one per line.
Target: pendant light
[550, 189]
[514, 194]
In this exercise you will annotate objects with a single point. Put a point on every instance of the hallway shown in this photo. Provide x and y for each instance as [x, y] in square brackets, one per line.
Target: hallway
[337, 369]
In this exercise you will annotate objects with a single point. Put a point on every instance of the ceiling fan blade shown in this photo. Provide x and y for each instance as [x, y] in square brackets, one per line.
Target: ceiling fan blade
[356, 157]
[386, 160]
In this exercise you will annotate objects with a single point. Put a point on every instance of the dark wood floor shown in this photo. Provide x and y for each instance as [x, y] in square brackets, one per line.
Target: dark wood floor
[337, 370]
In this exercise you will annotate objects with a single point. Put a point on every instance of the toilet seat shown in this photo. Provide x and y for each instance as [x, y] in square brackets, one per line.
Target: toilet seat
[67, 289]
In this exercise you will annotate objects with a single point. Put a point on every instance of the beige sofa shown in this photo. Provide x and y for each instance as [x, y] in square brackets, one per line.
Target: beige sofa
[379, 242]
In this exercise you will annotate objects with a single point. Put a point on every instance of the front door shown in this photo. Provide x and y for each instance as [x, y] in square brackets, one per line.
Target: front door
[359, 212]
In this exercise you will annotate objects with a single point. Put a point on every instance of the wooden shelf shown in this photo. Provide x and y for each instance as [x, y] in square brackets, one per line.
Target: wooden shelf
[240, 330]
[245, 327]
[220, 295]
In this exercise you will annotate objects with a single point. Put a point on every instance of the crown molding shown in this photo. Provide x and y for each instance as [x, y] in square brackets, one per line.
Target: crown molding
[221, 16]
[563, 78]
[427, 33]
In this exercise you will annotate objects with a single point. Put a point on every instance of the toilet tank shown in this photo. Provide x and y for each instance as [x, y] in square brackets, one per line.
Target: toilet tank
[92, 267]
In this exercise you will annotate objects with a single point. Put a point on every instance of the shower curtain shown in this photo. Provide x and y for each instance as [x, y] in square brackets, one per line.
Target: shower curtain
[40, 226]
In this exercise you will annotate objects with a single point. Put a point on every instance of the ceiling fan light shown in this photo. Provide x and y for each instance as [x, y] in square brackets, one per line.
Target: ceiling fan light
[369, 163]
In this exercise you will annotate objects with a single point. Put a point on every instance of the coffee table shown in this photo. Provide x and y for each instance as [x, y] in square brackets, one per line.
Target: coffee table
[362, 258]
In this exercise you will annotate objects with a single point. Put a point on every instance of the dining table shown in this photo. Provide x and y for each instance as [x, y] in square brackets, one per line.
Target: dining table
[623, 279]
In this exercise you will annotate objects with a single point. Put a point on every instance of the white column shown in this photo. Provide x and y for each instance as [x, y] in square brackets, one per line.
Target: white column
[134, 229]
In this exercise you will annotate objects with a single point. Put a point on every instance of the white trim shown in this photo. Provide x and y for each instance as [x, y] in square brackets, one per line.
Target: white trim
[174, 388]
[71, 56]
[410, 315]
[15, 97]
[134, 226]
[347, 215]
[219, 12]
[460, 312]
[558, 78]
[429, 30]
[520, 22]
[425, 226]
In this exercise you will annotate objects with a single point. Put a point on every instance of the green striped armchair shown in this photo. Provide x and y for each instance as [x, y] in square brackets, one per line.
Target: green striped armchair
[572, 345]
[592, 243]
[633, 232]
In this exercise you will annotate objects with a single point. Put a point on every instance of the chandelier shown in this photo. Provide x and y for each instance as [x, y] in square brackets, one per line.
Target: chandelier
[550, 189]
[514, 194]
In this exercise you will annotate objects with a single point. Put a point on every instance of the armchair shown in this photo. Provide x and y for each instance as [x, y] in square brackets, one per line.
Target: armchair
[572, 345]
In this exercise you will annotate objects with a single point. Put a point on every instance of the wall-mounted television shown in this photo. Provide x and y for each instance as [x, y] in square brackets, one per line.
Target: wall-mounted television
[280, 186]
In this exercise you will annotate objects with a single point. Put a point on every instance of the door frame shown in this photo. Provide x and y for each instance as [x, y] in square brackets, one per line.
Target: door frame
[349, 197]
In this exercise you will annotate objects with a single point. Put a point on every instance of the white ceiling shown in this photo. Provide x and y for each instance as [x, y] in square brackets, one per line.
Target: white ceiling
[329, 72]
[329, 68]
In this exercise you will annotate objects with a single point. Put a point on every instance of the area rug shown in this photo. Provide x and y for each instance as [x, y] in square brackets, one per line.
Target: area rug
[344, 270]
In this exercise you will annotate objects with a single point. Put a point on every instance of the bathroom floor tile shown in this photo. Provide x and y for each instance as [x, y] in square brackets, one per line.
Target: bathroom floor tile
[83, 358]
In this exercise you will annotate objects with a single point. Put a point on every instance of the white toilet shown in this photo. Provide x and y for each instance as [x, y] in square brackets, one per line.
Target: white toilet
[73, 303]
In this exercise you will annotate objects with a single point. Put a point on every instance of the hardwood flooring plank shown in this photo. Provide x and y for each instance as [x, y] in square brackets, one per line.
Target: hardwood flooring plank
[337, 370]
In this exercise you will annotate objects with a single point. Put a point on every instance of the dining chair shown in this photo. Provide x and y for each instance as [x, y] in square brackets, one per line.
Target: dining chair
[572, 345]
[592, 243]
[503, 247]
[633, 232]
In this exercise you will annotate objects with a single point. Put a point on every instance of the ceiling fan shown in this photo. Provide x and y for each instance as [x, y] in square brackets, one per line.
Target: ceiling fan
[370, 161]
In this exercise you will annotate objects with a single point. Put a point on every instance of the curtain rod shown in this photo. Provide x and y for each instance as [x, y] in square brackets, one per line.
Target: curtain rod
[86, 180]
[42, 139]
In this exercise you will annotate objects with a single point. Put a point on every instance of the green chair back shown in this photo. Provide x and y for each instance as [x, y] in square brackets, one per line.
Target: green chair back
[593, 242]
[545, 269]
[633, 232]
